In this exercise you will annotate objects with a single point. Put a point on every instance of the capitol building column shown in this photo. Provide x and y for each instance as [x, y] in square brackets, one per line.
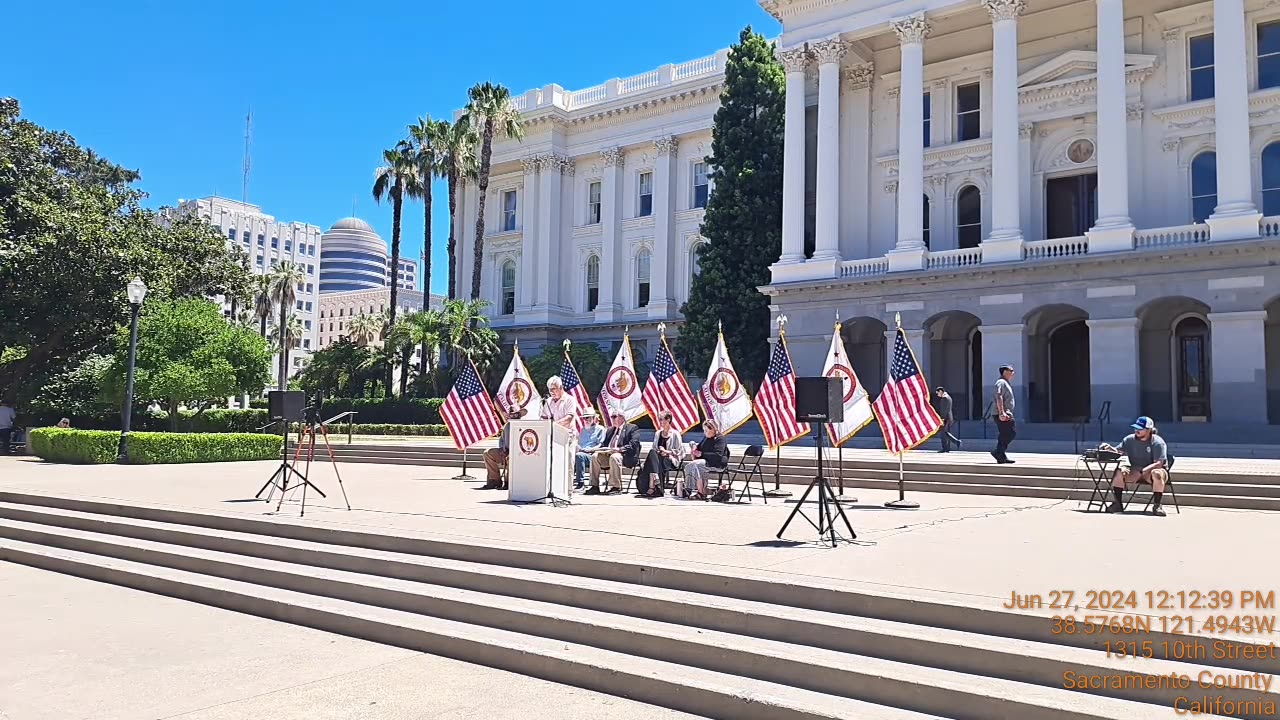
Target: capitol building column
[661, 301]
[1005, 242]
[529, 233]
[1235, 217]
[828, 54]
[909, 252]
[1113, 230]
[795, 61]
[614, 159]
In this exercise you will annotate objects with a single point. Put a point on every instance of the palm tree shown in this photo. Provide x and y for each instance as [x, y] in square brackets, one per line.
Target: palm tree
[490, 112]
[428, 329]
[292, 335]
[467, 331]
[393, 180]
[362, 330]
[284, 288]
[262, 301]
[456, 150]
[424, 137]
[399, 345]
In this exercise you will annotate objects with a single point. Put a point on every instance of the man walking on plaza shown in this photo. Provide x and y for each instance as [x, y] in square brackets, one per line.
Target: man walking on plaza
[7, 417]
[1004, 415]
[944, 406]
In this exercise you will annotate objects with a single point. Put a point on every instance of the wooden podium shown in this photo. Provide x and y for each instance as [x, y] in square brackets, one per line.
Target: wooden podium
[541, 455]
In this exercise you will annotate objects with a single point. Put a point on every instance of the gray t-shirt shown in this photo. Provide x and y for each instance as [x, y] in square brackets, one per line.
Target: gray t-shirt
[1142, 454]
[1004, 391]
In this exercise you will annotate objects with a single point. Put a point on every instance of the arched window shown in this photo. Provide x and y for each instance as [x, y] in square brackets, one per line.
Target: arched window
[926, 221]
[1204, 186]
[593, 282]
[508, 287]
[1271, 179]
[969, 217]
[643, 261]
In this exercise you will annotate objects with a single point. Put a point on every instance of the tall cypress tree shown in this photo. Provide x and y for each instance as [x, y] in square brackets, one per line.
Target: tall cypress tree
[743, 223]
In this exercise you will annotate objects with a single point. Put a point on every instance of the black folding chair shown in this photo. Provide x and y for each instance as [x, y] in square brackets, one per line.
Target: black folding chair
[1168, 486]
[754, 454]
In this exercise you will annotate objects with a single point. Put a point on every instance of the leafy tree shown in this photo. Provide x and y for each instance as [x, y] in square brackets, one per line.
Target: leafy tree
[743, 221]
[188, 354]
[336, 370]
[76, 393]
[591, 363]
[456, 147]
[72, 234]
[393, 181]
[490, 111]
[467, 332]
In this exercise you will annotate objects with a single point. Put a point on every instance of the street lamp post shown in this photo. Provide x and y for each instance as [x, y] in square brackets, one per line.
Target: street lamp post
[137, 291]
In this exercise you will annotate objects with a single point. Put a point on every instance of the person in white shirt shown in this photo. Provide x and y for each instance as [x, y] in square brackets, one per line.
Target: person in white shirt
[7, 417]
[560, 407]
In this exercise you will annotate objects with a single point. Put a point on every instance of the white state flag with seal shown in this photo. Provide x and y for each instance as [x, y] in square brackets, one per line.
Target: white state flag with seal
[857, 405]
[517, 388]
[621, 389]
[722, 394]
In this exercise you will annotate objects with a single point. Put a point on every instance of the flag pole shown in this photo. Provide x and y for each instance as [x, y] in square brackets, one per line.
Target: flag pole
[902, 503]
[777, 491]
[463, 475]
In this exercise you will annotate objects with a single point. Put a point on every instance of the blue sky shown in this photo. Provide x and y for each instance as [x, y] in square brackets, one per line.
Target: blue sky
[163, 87]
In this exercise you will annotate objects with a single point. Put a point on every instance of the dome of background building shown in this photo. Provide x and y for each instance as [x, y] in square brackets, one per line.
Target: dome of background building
[352, 257]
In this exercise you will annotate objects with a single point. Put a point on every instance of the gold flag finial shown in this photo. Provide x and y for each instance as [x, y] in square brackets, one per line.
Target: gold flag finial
[837, 319]
[567, 343]
[782, 324]
[897, 319]
[626, 330]
[662, 329]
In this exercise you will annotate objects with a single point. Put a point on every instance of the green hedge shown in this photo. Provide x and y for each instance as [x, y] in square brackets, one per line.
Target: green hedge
[397, 411]
[390, 429]
[151, 448]
[88, 447]
[402, 411]
[161, 448]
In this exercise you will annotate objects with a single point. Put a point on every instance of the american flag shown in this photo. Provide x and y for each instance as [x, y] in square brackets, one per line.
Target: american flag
[906, 416]
[776, 400]
[666, 389]
[573, 385]
[468, 412]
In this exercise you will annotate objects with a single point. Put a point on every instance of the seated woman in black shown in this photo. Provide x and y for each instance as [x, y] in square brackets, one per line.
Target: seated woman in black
[710, 454]
[663, 457]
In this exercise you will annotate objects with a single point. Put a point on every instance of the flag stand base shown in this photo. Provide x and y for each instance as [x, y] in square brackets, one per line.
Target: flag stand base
[464, 475]
[902, 505]
[777, 491]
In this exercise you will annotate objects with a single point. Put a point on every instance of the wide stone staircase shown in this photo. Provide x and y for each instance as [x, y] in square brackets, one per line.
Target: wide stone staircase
[971, 476]
[737, 647]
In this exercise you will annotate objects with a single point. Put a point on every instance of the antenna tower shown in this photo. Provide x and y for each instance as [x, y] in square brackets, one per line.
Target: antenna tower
[248, 162]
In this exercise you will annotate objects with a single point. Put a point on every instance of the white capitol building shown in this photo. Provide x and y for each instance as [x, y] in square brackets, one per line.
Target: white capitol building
[1087, 190]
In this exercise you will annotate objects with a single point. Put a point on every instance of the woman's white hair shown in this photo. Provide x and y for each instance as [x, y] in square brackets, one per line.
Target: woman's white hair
[554, 381]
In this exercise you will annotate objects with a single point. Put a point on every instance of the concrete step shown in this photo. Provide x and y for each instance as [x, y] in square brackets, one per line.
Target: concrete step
[679, 687]
[197, 528]
[861, 677]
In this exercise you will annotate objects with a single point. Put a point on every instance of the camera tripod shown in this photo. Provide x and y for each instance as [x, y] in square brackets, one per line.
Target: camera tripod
[828, 507]
[307, 441]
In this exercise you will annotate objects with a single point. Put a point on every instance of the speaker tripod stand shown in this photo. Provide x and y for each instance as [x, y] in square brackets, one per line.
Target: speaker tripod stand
[307, 441]
[828, 507]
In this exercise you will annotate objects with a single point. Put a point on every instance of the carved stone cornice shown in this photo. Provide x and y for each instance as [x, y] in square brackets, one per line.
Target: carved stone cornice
[771, 7]
[667, 145]
[1004, 9]
[912, 29]
[1134, 111]
[613, 156]
[1172, 36]
[858, 77]
[1025, 129]
[559, 163]
[893, 92]
[794, 60]
[831, 50]
[967, 155]
[531, 163]
[891, 187]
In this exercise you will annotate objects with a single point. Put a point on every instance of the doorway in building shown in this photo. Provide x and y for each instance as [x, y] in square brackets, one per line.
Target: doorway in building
[1069, 372]
[1071, 205]
[976, 384]
[1191, 380]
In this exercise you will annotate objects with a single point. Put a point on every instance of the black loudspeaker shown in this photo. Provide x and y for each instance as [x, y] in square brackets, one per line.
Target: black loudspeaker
[287, 405]
[819, 399]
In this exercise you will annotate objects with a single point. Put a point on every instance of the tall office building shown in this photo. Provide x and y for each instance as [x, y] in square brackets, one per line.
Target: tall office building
[267, 242]
[355, 257]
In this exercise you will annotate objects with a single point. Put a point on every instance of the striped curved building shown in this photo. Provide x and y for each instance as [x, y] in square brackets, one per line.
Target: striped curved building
[352, 257]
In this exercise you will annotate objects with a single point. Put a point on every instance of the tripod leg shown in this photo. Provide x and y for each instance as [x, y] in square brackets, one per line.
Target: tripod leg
[795, 511]
[333, 462]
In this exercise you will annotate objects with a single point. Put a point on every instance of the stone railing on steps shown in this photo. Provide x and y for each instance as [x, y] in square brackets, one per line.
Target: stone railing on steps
[1171, 236]
[1270, 226]
[962, 257]
[1055, 248]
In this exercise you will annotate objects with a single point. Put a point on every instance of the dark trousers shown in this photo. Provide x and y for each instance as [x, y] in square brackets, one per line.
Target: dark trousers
[6, 437]
[948, 439]
[653, 463]
[1005, 433]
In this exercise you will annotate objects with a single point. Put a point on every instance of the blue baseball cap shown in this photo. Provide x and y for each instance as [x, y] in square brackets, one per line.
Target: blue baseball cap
[1143, 423]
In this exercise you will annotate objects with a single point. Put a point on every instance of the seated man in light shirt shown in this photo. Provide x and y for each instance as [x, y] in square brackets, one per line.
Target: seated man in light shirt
[591, 437]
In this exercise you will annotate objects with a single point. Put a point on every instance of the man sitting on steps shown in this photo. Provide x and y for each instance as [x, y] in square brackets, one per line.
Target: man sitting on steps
[1147, 456]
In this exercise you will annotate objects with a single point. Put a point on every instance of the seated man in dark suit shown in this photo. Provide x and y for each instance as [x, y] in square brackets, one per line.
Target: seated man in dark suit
[621, 448]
